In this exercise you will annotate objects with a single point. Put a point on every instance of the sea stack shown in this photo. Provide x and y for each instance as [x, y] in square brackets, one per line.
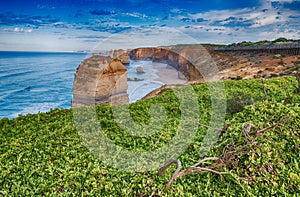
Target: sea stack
[98, 80]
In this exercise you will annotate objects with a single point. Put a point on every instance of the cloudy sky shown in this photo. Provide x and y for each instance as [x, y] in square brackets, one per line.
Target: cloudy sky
[57, 25]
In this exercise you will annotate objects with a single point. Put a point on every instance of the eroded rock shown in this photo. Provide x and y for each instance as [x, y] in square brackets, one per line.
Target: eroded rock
[100, 79]
[178, 57]
[142, 53]
[140, 70]
[122, 55]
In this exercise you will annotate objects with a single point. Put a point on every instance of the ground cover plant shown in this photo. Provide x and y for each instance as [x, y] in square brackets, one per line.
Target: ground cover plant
[258, 149]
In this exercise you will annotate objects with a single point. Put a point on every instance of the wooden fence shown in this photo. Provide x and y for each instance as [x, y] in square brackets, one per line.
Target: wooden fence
[288, 49]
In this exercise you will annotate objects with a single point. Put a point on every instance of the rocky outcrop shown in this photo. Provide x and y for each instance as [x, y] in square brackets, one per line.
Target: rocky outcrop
[135, 79]
[160, 90]
[177, 57]
[122, 55]
[140, 70]
[100, 79]
[142, 53]
[170, 56]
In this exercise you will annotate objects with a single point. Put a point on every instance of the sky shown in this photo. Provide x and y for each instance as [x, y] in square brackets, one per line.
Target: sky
[75, 25]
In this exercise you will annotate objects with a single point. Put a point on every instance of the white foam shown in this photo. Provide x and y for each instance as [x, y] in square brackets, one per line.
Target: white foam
[36, 108]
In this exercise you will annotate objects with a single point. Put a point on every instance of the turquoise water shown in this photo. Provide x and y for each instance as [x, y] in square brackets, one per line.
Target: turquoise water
[138, 89]
[32, 82]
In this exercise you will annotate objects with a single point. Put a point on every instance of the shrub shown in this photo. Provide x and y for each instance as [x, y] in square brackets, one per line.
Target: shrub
[238, 102]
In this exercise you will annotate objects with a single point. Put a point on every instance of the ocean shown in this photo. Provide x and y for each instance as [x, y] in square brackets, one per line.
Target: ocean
[32, 82]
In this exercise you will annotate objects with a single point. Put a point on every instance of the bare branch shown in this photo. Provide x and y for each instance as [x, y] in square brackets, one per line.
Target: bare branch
[271, 127]
[201, 170]
[227, 157]
[175, 174]
[224, 129]
[205, 159]
[153, 192]
[163, 169]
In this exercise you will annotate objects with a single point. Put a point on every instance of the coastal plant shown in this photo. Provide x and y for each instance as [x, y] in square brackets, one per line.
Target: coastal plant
[238, 101]
[296, 70]
[43, 155]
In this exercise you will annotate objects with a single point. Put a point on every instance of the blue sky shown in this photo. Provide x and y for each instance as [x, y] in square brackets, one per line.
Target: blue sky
[53, 25]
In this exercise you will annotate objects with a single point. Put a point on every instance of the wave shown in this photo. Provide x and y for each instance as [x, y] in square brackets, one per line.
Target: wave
[36, 108]
[17, 74]
[15, 91]
[142, 89]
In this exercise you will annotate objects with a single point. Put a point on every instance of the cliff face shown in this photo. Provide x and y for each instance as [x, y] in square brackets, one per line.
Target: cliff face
[175, 56]
[193, 62]
[100, 80]
[122, 55]
[104, 79]
[142, 53]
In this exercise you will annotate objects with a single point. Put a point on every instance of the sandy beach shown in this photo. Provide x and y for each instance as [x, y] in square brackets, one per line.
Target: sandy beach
[167, 74]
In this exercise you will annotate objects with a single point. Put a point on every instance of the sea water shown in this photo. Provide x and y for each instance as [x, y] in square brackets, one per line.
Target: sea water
[32, 82]
[147, 81]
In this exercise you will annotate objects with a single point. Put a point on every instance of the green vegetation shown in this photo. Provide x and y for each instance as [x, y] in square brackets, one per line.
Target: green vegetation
[42, 154]
[262, 42]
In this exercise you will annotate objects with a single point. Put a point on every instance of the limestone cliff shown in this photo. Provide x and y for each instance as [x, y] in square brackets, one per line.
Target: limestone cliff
[193, 62]
[122, 55]
[100, 80]
[142, 53]
[178, 57]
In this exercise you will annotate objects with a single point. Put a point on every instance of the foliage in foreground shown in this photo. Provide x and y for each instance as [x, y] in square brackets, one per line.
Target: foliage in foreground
[42, 154]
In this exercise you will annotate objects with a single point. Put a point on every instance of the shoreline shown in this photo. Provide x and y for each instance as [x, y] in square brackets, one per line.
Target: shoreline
[167, 74]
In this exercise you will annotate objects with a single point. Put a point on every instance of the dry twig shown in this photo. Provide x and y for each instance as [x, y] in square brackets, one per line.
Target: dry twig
[190, 170]
[227, 157]
[270, 127]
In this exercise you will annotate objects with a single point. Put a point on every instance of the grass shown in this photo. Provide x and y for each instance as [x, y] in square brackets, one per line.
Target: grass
[42, 154]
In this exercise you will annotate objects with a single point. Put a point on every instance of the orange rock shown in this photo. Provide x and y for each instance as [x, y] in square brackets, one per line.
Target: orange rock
[142, 53]
[100, 80]
[122, 55]
[140, 69]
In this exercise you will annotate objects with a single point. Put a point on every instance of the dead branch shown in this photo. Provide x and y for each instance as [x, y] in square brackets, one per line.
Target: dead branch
[153, 192]
[190, 170]
[174, 176]
[227, 157]
[163, 169]
[247, 130]
[224, 129]
[270, 127]
[198, 170]
[205, 159]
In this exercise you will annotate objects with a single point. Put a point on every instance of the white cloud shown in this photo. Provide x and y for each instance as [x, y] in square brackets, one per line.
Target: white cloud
[216, 15]
[137, 15]
[265, 21]
[22, 30]
[277, 33]
[252, 24]
[206, 28]
[146, 37]
[256, 17]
